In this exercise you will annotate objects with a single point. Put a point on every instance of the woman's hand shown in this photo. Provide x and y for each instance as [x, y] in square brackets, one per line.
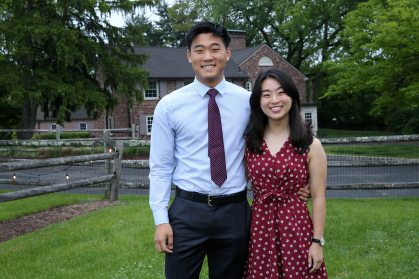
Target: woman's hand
[315, 257]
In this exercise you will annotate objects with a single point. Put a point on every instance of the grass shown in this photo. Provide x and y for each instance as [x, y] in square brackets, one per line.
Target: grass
[365, 238]
[18, 208]
[393, 151]
[336, 133]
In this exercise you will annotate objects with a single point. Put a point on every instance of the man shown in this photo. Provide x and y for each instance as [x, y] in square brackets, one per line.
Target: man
[199, 129]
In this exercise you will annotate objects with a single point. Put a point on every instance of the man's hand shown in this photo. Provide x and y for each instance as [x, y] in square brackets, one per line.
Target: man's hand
[305, 193]
[164, 232]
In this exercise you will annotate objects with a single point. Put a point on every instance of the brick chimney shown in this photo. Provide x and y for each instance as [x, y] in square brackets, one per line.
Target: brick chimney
[238, 39]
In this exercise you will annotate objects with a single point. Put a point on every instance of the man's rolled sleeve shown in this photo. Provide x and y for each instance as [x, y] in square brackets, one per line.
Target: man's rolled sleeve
[162, 163]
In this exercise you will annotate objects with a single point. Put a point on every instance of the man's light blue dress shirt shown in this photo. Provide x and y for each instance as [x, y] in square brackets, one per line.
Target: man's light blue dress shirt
[180, 136]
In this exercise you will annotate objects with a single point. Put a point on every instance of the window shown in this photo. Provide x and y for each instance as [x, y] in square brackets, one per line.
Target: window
[83, 126]
[149, 124]
[308, 117]
[266, 61]
[152, 92]
[53, 126]
[249, 86]
[110, 121]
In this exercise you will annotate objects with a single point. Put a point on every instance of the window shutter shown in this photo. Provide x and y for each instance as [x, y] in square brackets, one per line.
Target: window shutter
[143, 124]
[163, 88]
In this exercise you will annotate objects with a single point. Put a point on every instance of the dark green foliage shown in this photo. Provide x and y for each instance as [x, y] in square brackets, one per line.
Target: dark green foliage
[405, 121]
[350, 112]
[75, 135]
[63, 55]
[7, 136]
[161, 32]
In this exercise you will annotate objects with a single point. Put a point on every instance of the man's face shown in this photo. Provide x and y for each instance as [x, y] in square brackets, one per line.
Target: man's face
[208, 56]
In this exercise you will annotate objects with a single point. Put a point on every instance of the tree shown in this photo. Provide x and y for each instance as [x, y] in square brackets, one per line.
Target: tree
[183, 15]
[52, 52]
[161, 32]
[384, 53]
[304, 32]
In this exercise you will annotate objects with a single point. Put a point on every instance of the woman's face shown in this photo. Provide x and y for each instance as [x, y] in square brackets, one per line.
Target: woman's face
[274, 102]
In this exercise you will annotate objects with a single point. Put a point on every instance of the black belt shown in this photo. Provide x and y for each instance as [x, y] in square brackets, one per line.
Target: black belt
[212, 200]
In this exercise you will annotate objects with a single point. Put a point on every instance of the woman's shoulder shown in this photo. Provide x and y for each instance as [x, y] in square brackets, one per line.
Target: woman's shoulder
[315, 147]
[316, 142]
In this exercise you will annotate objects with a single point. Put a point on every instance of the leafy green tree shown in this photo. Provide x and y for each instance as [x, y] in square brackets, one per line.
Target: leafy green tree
[384, 53]
[160, 32]
[304, 32]
[183, 15]
[62, 55]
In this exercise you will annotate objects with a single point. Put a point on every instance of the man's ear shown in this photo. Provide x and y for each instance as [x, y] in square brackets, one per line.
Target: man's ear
[228, 53]
[188, 54]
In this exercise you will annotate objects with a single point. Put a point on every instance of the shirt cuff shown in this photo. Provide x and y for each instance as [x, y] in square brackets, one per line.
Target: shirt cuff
[161, 217]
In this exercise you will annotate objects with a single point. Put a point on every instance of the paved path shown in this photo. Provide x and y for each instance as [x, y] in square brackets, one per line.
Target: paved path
[336, 176]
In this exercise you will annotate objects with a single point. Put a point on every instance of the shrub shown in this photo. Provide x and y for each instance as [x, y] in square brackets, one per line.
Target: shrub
[50, 151]
[81, 151]
[7, 136]
[405, 121]
[75, 135]
[12, 151]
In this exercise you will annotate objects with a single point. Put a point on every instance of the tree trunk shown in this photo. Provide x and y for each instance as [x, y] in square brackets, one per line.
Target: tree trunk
[29, 108]
[314, 83]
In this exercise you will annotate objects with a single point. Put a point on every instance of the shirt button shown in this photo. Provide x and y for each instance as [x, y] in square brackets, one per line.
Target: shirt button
[215, 192]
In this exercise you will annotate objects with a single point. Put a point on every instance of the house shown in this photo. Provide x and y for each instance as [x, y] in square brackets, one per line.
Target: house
[170, 70]
[256, 59]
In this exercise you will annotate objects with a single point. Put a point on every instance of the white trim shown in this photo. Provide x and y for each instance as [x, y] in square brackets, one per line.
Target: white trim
[81, 124]
[149, 125]
[249, 86]
[157, 90]
[54, 128]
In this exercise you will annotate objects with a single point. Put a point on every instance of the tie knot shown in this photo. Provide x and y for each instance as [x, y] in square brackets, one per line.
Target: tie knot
[212, 92]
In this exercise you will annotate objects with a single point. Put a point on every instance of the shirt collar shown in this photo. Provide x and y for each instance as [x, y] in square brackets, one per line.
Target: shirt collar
[203, 89]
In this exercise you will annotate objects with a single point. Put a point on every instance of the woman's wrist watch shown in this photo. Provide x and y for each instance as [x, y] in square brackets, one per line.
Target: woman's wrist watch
[319, 241]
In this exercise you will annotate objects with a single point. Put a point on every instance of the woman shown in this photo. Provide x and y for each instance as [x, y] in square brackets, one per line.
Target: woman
[282, 155]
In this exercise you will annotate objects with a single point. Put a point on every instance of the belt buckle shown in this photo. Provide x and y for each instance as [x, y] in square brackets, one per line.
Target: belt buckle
[209, 199]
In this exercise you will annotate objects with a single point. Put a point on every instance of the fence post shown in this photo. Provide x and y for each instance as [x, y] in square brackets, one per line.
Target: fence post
[106, 139]
[133, 131]
[117, 170]
[57, 131]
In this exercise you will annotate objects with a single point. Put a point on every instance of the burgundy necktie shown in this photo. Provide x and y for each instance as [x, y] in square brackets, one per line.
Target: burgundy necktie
[215, 141]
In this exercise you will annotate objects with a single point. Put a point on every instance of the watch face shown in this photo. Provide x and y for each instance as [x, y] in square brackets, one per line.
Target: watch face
[322, 241]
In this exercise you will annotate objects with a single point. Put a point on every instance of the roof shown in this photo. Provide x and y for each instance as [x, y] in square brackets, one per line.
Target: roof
[172, 62]
[242, 54]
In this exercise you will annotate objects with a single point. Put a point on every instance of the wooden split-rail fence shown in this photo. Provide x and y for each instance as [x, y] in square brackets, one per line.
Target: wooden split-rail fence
[112, 179]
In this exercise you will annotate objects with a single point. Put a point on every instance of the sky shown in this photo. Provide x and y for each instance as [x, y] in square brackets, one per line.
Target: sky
[118, 19]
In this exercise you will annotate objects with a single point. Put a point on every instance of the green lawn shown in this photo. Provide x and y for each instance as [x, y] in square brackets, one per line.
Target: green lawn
[336, 133]
[365, 238]
[393, 151]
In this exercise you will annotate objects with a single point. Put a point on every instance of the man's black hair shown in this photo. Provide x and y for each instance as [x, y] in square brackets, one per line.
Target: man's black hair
[206, 28]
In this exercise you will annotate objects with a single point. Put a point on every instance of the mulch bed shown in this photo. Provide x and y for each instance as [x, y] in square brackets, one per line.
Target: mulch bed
[19, 226]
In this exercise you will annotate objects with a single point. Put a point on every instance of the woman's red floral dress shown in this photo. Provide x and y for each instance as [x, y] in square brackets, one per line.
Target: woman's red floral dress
[281, 227]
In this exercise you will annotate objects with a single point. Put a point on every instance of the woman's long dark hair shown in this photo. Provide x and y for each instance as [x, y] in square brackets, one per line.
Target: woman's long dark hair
[301, 135]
